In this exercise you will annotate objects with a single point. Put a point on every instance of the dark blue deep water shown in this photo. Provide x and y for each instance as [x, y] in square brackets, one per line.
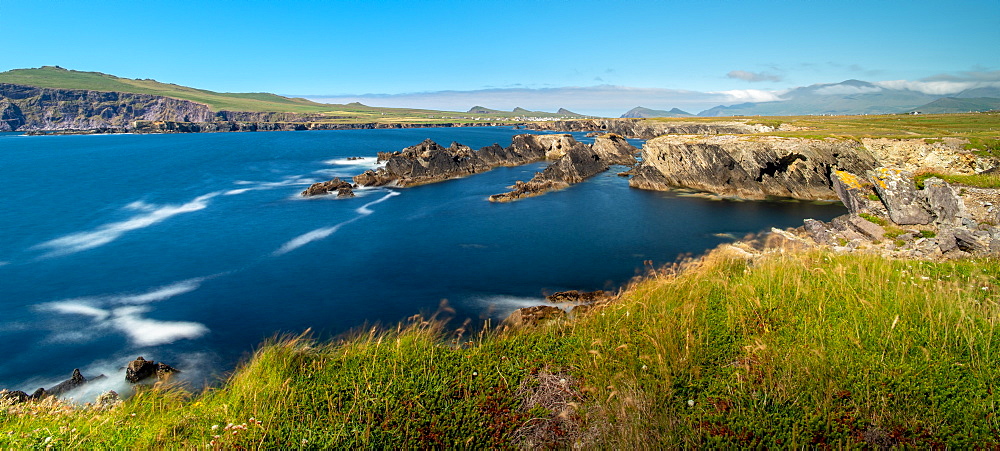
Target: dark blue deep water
[193, 248]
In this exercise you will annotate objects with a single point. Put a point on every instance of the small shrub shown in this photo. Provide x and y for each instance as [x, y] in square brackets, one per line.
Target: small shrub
[873, 219]
[928, 233]
[874, 197]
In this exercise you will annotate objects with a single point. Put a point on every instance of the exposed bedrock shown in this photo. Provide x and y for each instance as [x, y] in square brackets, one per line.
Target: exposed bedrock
[575, 164]
[749, 167]
[644, 129]
[335, 186]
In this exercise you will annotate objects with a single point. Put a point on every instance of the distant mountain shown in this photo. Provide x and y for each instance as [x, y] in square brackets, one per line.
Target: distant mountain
[847, 97]
[960, 105]
[992, 92]
[641, 112]
[483, 110]
[565, 112]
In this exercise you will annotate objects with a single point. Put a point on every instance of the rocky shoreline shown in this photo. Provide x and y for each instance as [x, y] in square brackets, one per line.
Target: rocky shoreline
[138, 370]
[429, 162]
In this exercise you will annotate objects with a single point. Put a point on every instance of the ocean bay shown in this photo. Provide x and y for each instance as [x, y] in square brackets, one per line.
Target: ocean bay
[193, 248]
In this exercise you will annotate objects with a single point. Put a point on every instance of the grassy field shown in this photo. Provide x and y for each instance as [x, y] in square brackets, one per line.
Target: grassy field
[796, 349]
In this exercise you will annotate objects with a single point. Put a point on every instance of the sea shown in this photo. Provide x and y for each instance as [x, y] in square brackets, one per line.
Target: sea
[193, 249]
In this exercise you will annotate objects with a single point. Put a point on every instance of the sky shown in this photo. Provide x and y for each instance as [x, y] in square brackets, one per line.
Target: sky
[592, 57]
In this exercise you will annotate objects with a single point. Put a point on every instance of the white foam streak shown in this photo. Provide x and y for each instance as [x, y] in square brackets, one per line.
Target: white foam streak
[324, 232]
[364, 210]
[162, 293]
[81, 241]
[151, 332]
[76, 307]
[307, 238]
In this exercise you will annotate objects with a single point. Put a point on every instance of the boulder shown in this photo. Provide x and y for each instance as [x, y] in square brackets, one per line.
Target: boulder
[533, 316]
[866, 227]
[906, 206]
[969, 242]
[852, 190]
[140, 369]
[12, 397]
[818, 231]
[946, 240]
[943, 201]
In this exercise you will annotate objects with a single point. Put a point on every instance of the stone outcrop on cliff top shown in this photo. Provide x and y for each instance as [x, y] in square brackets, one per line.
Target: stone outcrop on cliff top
[575, 164]
[749, 167]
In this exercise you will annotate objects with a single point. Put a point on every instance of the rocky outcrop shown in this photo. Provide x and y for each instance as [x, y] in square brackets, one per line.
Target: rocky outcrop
[643, 129]
[749, 167]
[235, 126]
[533, 316]
[575, 164]
[946, 154]
[338, 186]
[888, 215]
[140, 369]
[579, 297]
[429, 162]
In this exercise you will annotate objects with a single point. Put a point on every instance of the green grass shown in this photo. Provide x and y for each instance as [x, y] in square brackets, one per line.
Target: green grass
[975, 180]
[796, 349]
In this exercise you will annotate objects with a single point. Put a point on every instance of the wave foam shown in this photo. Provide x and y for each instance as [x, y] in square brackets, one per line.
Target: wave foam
[324, 232]
[81, 241]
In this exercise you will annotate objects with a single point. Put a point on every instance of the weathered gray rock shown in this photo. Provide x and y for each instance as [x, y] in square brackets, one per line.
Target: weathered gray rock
[943, 201]
[946, 240]
[866, 227]
[968, 241]
[852, 190]
[818, 231]
[749, 167]
[905, 204]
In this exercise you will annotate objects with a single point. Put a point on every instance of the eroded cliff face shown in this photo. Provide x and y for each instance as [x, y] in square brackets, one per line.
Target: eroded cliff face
[643, 129]
[749, 167]
[27, 108]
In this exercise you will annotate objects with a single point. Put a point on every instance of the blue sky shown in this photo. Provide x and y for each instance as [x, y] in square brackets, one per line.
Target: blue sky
[687, 54]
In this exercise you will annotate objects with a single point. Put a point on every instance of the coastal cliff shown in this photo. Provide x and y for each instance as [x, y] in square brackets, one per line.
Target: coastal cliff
[749, 167]
[643, 129]
[27, 108]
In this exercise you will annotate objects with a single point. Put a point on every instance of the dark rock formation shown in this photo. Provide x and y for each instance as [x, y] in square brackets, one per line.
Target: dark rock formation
[582, 297]
[74, 381]
[12, 397]
[140, 369]
[749, 167]
[642, 129]
[342, 188]
[429, 162]
[577, 163]
[533, 316]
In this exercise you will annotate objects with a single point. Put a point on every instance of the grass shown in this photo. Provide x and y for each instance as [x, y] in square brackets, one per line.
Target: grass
[796, 349]
[974, 180]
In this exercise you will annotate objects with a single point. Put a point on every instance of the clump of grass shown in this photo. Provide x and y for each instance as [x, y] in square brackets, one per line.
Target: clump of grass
[874, 197]
[928, 233]
[873, 219]
[984, 147]
[974, 180]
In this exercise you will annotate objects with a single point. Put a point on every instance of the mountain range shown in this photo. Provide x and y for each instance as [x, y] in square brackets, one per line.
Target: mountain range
[849, 97]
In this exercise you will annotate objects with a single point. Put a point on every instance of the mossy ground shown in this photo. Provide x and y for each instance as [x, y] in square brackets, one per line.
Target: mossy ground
[795, 349]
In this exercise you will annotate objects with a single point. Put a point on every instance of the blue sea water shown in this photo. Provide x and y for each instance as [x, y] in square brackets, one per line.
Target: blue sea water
[194, 248]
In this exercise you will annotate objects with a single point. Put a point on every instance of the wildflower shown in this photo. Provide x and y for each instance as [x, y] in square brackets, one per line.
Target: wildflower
[690, 403]
[215, 426]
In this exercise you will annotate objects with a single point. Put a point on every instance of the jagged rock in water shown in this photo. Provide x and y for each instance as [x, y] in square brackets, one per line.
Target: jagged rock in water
[140, 369]
[12, 397]
[905, 204]
[584, 297]
[74, 381]
[342, 188]
[533, 316]
[576, 163]
[749, 167]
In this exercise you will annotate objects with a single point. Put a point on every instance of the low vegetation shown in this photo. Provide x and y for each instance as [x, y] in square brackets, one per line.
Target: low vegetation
[975, 180]
[804, 348]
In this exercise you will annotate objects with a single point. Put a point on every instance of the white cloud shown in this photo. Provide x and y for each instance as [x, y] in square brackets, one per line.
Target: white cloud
[753, 77]
[749, 95]
[935, 87]
[846, 90]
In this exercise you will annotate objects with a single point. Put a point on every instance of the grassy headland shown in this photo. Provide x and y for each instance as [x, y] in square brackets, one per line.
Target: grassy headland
[794, 348]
